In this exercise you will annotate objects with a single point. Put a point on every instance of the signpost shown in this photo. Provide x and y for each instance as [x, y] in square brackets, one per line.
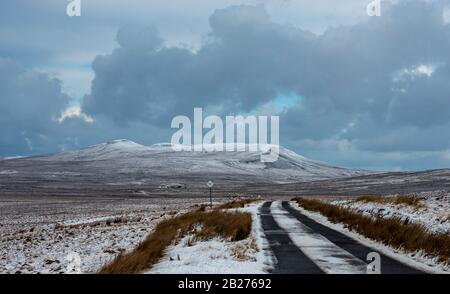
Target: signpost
[210, 184]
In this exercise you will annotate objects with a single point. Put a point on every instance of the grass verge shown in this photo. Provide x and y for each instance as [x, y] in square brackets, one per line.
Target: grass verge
[389, 231]
[237, 203]
[401, 199]
[202, 225]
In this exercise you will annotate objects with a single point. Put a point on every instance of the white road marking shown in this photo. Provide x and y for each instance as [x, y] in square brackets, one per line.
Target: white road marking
[328, 256]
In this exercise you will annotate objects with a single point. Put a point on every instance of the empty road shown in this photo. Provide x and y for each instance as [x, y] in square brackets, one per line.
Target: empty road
[303, 246]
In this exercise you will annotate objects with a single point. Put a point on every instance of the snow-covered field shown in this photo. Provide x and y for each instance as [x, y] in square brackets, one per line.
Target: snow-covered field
[38, 234]
[433, 211]
[248, 256]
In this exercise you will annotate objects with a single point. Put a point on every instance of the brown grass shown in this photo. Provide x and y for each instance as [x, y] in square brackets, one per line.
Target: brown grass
[389, 231]
[237, 203]
[202, 225]
[241, 251]
[410, 200]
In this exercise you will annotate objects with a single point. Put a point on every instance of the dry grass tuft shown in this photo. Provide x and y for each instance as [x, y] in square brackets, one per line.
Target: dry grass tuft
[237, 203]
[389, 231]
[410, 200]
[243, 251]
[202, 225]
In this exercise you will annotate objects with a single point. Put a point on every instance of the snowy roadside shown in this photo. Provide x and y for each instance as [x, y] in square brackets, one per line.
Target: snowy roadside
[417, 260]
[248, 256]
[433, 211]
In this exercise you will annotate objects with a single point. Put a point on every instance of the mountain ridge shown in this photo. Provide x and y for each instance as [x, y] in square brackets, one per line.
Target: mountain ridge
[162, 159]
[124, 168]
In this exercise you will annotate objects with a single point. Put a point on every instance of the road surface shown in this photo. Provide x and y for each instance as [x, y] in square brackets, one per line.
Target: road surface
[303, 246]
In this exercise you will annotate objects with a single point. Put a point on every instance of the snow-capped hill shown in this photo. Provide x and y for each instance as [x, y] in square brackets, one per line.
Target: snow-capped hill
[108, 150]
[122, 142]
[162, 160]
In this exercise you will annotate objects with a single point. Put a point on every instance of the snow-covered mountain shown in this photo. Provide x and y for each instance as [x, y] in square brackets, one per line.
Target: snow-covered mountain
[105, 151]
[124, 168]
[160, 160]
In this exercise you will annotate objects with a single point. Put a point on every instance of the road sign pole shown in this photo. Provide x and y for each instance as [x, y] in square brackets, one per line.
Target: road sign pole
[210, 197]
[210, 184]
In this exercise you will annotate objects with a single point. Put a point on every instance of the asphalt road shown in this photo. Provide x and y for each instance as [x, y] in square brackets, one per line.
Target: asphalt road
[300, 245]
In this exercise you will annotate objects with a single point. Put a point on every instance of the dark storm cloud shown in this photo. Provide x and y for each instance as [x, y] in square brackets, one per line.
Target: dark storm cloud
[237, 71]
[29, 106]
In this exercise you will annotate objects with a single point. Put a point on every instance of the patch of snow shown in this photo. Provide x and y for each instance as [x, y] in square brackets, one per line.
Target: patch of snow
[212, 257]
[8, 172]
[265, 254]
[12, 157]
[88, 220]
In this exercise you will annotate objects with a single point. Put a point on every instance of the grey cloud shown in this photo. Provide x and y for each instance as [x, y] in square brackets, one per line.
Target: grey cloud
[140, 38]
[346, 76]
[29, 105]
[424, 101]
[239, 70]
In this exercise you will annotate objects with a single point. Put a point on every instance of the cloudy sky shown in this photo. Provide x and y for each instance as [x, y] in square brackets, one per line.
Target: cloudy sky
[352, 90]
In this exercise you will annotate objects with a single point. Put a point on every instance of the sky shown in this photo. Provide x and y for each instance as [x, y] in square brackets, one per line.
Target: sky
[353, 90]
